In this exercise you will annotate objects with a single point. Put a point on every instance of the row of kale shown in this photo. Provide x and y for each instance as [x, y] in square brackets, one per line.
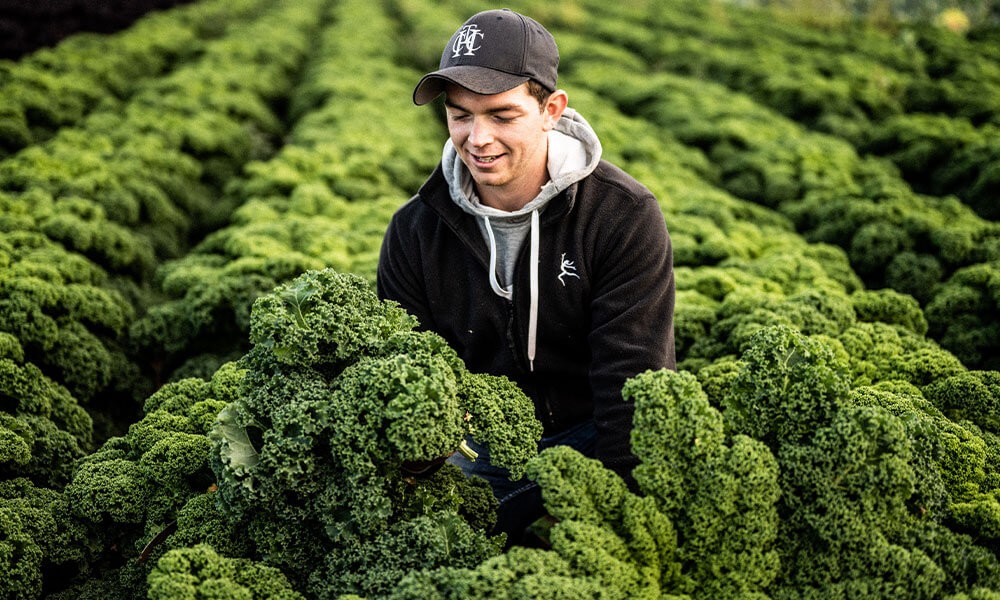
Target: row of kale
[323, 200]
[27, 26]
[57, 87]
[357, 151]
[925, 98]
[87, 216]
[862, 73]
[935, 249]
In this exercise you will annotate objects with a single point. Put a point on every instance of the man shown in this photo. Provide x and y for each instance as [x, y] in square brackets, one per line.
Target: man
[529, 254]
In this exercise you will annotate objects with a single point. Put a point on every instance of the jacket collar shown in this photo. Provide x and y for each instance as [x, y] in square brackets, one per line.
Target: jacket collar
[435, 193]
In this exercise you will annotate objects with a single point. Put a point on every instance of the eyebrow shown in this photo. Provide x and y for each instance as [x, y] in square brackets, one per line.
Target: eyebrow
[498, 109]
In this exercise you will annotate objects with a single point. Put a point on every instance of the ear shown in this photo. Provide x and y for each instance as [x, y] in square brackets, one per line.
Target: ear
[554, 107]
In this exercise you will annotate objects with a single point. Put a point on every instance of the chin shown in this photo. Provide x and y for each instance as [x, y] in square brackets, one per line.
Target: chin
[488, 179]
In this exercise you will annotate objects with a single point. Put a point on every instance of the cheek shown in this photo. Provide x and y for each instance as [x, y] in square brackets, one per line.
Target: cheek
[458, 133]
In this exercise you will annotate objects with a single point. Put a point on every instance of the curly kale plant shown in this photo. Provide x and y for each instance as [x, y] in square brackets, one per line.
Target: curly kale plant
[708, 485]
[200, 572]
[970, 456]
[675, 541]
[128, 494]
[42, 428]
[962, 314]
[329, 454]
[38, 536]
[67, 322]
[790, 384]
[608, 543]
[870, 478]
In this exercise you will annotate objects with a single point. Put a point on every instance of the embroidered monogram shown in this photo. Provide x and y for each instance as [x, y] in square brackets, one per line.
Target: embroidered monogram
[567, 270]
[466, 40]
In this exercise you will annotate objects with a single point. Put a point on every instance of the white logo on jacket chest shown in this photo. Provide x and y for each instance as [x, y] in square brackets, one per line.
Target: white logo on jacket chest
[567, 270]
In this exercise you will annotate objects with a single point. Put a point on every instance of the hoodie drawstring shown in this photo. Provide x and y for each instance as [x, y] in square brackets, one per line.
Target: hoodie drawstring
[533, 310]
[499, 291]
[508, 293]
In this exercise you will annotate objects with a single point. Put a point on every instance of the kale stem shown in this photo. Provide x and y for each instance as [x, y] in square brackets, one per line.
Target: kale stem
[467, 452]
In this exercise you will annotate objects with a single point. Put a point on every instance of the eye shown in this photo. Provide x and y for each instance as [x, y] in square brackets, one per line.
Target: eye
[459, 117]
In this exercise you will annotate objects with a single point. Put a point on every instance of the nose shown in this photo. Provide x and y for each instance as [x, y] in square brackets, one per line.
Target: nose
[480, 133]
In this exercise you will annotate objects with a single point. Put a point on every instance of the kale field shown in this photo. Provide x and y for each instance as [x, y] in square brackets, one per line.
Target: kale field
[202, 397]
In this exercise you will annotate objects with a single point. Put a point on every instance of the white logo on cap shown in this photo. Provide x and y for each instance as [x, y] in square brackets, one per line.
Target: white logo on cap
[466, 40]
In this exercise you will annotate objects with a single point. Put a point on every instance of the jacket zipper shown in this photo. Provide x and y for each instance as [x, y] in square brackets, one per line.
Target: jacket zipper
[549, 415]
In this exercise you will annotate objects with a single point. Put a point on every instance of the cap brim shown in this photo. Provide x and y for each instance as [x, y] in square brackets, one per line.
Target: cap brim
[480, 80]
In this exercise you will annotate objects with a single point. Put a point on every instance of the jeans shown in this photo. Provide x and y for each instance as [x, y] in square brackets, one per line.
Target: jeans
[521, 500]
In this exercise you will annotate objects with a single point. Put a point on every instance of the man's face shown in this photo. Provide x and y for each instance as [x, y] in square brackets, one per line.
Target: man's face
[502, 139]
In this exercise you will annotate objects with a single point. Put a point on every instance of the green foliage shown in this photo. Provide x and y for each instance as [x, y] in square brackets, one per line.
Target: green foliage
[379, 563]
[64, 320]
[135, 485]
[129, 183]
[673, 542]
[942, 154]
[42, 427]
[947, 457]
[879, 352]
[963, 312]
[124, 188]
[518, 573]
[608, 534]
[917, 97]
[108, 173]
[200, 572]
[322, 202]
[707, 485]
[607, 542]
[56, 87]
[36, 535]
[971, 396]
[891, 307]
[495, 419]
[846, 490]
[20, 558]
[80, 225]
[971, 569]
[341, 396]
[789, 385]
[859, 472]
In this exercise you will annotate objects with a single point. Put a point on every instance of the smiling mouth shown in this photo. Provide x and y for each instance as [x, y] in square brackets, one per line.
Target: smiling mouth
[485, 159]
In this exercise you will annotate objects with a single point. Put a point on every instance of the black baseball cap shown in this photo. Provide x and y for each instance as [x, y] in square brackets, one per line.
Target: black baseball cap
[492, 52]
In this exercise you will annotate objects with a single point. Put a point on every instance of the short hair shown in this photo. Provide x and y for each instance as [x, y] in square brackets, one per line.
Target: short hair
[539, 92]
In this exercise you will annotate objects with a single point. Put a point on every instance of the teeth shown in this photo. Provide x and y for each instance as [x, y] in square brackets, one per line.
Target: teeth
[486, 159]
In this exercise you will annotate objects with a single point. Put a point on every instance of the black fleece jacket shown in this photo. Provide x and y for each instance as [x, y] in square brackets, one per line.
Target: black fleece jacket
[606, 298]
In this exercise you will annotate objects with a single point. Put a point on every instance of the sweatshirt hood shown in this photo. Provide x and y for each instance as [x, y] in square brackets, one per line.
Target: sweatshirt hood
[574, 151]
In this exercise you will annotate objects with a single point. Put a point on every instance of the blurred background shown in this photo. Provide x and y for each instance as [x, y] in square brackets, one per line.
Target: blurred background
[26, 25]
